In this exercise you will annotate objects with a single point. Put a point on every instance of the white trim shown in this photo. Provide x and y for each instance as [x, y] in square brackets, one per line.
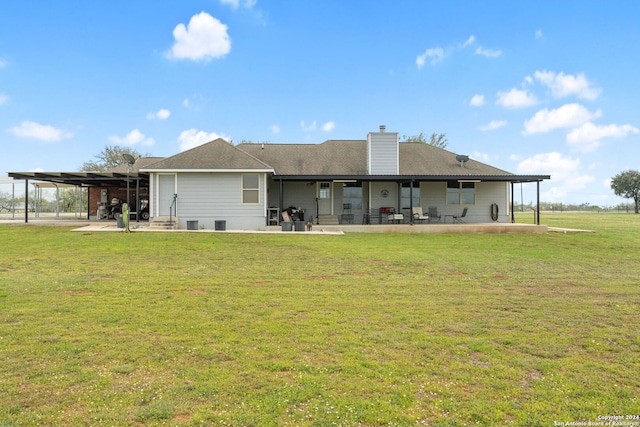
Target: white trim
[208, 170]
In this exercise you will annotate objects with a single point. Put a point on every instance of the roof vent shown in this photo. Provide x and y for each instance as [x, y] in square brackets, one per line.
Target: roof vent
[462, 159]
[382, 128]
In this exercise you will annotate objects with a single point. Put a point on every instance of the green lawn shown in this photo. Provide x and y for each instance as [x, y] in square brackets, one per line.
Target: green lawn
[311, 330]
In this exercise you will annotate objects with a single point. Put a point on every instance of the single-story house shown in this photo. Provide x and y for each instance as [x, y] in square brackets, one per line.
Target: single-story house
[248, 186]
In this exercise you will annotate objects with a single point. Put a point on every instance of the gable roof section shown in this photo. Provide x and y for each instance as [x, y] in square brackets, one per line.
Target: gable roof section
[214, 156]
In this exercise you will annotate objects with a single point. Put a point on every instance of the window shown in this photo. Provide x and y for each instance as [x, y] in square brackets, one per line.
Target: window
[406, 201]
[353, 194]
[461, 193]
[325, 190]
[250, 189]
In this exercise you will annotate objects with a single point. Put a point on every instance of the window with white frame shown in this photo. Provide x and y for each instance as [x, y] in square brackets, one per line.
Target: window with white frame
[250, 189]
[461, 193]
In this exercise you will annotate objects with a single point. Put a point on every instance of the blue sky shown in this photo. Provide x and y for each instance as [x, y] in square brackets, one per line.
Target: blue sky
[541, 87]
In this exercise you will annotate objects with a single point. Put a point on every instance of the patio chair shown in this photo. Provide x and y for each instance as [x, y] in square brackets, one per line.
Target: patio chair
[434, 216]
[398, 218]
[458, 218]
[418, 215]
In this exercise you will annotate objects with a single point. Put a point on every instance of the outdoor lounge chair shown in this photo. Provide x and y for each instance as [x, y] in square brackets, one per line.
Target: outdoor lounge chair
[458, 218]
[434, 216]
[418, 215]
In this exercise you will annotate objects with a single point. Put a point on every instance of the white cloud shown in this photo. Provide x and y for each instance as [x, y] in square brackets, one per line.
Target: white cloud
[587, 137]
[275, 129]
[28, 129]
[477, 101]
[236, 3]
[3, 98]
[329, 126]
[192, 138]
[516, 98]
[482, 157]
[563, 85]
[469, 41]
[160, 114]
[567, 116]
[565, 173]
[436, 55]
[493, 125]
[309, 128]
[203, 39]
[539, 34]
[489, 53]
[134, 137]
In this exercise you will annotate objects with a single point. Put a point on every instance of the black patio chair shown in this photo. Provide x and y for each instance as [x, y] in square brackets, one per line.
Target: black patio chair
[458, 218]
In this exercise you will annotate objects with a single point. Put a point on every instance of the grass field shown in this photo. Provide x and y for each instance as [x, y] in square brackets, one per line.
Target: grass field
[311, 330]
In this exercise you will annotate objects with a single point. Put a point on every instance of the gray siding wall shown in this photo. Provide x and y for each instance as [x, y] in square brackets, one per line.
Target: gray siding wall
[299, 195]
[382, 153]
[378, 201]
[210, 197]
[435, 194]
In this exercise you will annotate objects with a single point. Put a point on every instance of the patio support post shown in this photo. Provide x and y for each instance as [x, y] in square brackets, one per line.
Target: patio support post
[513, 215]
[410, 200]
[281, 201]
[538, 203]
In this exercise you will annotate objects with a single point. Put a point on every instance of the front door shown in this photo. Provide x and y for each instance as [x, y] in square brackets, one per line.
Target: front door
[324, 198]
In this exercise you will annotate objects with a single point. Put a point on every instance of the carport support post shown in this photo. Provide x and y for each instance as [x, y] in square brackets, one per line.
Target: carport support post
[26, 200]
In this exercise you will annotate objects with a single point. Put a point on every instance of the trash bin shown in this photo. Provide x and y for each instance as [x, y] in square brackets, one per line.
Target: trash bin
[120, 222]
[300, 225]
[287, 226]
[192, 225]
[220, 225]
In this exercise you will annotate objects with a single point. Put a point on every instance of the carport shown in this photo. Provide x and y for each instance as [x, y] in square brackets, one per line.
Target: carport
[94, 181]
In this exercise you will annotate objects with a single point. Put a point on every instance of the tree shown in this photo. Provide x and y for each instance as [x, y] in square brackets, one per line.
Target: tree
[627, 184]
[109, 158]
[437, 140]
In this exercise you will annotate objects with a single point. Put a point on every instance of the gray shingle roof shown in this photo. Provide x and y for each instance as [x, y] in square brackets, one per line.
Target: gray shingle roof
[328, 158]
[340, 157]
[332, 158]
